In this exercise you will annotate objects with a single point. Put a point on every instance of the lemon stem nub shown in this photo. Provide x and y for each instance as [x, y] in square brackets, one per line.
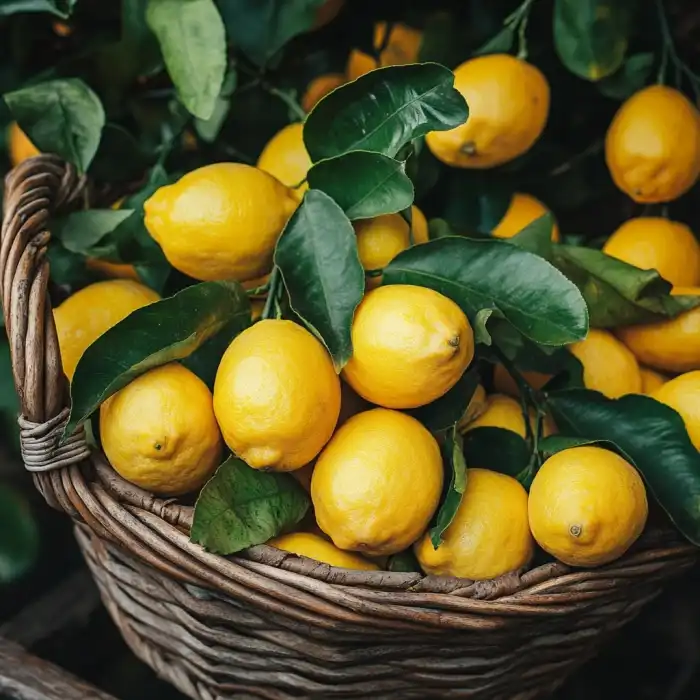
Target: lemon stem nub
[468, 149]
[576, 530]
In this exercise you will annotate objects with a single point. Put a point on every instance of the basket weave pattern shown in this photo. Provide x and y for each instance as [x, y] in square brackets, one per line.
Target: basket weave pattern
[269, 624]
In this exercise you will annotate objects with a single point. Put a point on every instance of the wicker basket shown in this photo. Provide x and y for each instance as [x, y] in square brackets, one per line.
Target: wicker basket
[267, 623]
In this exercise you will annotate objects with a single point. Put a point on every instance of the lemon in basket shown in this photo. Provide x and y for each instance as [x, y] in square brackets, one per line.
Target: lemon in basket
[489, 535]
[377, 483]
[19, 145]
[221, 221]
[160, 433]
[587, 506]
[307, 544]
[276, 396]
[410, 346]
[682, 394]
[86, 315]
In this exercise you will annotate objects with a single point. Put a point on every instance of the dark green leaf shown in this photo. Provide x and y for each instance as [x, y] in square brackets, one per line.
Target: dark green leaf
[317, 255]
[618, 293]
[60, 8]
[260, 28]
[492, 274]
[383, 110]
[193, 41]
[499, 450]
[447, 411]
[590, 36]
[439, 228]
[240, 507]
[69, 269]
[454, 460]
[500, 43]
[404, 562]
[363, 184]
[556, 443]
[84, 232]
[60, 116]
[537, 236]
[654, 437]
[475, 202]
[19, 536]
[630, 78]
[154, 335]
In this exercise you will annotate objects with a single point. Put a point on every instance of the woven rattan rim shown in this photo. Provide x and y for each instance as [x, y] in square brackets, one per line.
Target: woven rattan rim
[155, 530]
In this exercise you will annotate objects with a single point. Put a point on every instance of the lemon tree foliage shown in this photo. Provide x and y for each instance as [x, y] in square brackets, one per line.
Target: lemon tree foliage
[87, 232]
[19, 536]
[60, 8]
[384, 110]
[501, 450]
[651, 435]
[240, 507]
[167, 330]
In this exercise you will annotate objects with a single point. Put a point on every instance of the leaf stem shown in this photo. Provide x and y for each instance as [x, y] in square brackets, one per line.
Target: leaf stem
[272, 302]
[669, 53]
[517, 21]
[294, 107]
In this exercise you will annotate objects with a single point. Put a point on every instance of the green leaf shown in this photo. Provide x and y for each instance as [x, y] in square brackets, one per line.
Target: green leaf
[404, 562]
[654, 437]
[499, 43]
[454, 461]
[60, 8]
[363, 184]
[618, 293]
[192, 38]
[19, 536]
[154, 335]
[590, 36]
[383, 110]
[630, 78]
[260, 28]
[499, 450]
[60, 116]
[447, 411]
[475, 201]
[556, 443]
[84, 232]
[240, 507]
[492, 274]
[537, 236]
[317, 256]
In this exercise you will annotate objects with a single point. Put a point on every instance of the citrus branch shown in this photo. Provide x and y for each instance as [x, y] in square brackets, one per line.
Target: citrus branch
[669, 53]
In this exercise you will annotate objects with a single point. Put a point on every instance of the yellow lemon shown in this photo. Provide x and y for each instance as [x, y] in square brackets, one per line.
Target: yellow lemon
[608, 366]
[220, 221]
[508, 108]
[505, 412]
[522, 211]
[19, 145]
[682, 394]
[381, 239]
[655, 243]
[123, 271]
[86, 315]
[319, 87]
[307, 544]
[159, 431]
[401, 48]
[410, 346]
[503, 383]
[286, 158]
[476, 406]
[652, 147]
[672, 345]
[276, 396]
[651, 380]
[489, 535]
[587, 506]
[377, 483]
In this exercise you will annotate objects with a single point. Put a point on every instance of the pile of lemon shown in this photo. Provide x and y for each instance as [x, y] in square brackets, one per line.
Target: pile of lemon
[375, 474]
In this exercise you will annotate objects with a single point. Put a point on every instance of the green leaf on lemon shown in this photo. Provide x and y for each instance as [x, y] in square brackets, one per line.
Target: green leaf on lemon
[536, 236]
[165, 331]
[654, 437]
[317, 256]
[84, 232]
[364, 184]
[383, 110]
[499, 450]
[491, 274]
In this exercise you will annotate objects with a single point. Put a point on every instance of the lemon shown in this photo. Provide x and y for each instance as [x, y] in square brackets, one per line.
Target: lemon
[159, 431]
[220, 221]
[651, 380]
[503, 383]
[286, 158]
[505, 412]
[608, 366]
[401, 48]
[489, 535]
[410, 346]
[86, 315]
[522, 211]
[682, 394]
[276, 396]
[508, 108]
[655, 243]
[652, 147]
[672, 345]
[19, 145]
[319, 87]
[377, 483]
[306, 544]
[587, 506]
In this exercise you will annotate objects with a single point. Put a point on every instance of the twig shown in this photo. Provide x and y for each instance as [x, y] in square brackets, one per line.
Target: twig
[272, 302]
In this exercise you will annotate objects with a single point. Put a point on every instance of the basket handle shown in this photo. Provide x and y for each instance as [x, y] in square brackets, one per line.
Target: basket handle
[34, 191]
